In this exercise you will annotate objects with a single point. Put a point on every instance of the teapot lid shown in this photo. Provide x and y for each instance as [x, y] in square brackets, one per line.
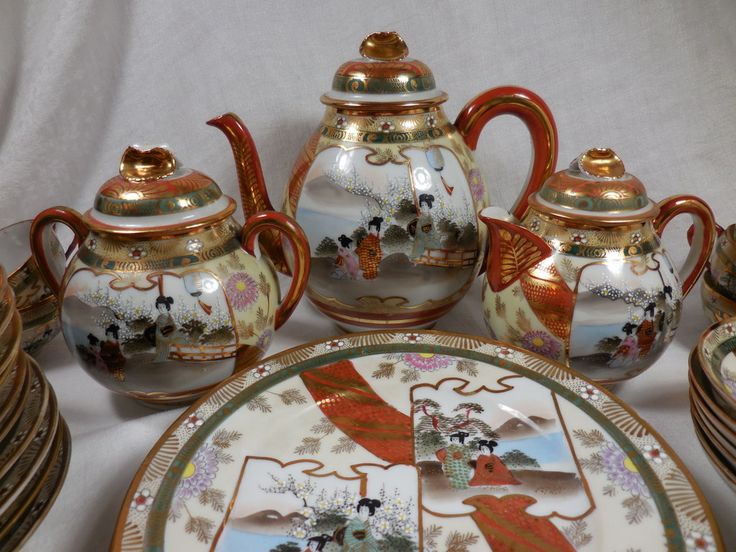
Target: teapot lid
[597, 188]
[153, 194]
[383, 75]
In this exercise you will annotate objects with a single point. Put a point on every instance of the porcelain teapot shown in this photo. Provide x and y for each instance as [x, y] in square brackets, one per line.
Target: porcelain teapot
[387, 190]
[583, 277]
[165, 296]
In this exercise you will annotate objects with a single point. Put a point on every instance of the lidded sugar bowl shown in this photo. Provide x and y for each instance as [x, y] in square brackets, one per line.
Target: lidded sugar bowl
[583, 277]
[165, 296]
[387, 191]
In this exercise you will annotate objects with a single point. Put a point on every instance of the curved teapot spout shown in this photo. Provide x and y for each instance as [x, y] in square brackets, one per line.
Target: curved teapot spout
[253, 192]
[513, 249]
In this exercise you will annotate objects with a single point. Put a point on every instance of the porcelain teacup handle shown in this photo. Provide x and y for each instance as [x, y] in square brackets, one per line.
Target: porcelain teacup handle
[273, 220]
[66, 216]
[535, 114]
[703, 236]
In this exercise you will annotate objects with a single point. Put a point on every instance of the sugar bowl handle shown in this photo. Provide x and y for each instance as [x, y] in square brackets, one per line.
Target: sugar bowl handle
[272, 220]
[703, 237]
[67, 217]
[536, 115]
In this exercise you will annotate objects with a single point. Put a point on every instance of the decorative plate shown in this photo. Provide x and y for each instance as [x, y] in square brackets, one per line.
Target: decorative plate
[422, 441]
[717, 355]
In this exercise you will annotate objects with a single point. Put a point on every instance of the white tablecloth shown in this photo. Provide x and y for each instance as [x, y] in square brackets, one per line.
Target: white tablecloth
[81, 80]
[111, 435]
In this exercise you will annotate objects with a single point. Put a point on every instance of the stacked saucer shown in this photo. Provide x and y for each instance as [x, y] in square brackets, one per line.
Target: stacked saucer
[713, 396]
[34, 439]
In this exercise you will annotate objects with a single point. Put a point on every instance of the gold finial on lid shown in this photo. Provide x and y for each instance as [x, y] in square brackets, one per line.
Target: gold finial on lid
[602, 162]
[384, 46]
[138, 164]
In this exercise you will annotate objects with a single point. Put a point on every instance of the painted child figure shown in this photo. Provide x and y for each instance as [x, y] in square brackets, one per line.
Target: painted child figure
[455, 460]
[369, 251]
[425, 236]
[356, 536]
[489, 469]
[111, 354]
[346, 263]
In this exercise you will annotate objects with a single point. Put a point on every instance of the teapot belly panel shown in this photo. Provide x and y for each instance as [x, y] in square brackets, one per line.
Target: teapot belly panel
[625, 315]
[393, 232]
[619, 315]
[166, 336]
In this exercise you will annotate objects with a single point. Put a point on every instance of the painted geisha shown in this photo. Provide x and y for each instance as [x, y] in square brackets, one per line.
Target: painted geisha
[166, 331]
[369, 251]
[356, 536]
[455, 460]
[489, 469]
[346, 263]
[425, 234]
[111, 354]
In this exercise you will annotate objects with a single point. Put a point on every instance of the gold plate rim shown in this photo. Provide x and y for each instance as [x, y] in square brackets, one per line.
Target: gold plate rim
[11, 411]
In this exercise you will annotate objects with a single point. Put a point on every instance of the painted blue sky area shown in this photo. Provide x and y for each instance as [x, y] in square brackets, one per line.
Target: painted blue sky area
[233, 540]
[550, 448]
[585, 338]
[318, 224]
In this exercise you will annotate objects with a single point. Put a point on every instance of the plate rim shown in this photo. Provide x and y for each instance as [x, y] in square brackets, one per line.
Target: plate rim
[393, 337]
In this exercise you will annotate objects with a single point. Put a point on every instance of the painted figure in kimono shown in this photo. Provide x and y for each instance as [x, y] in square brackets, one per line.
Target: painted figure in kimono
[166, 332]
[318, 543]
[455, 460]
[94, 350]
[356, 536]
[425, 236]
[111, 353]
[369, 251]
[346, 263]
[628, 351]
[489, 469]
[647, 332]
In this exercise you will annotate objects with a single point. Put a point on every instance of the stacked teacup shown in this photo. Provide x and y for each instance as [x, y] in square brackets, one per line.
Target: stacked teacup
[34, 439]
[713, 396]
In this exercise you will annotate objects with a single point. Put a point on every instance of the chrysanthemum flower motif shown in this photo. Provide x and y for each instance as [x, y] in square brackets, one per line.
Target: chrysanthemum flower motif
[92, 244]
[137, 252]
[427, 362]
[194, 245]
[431, 121]
[242, 290]
[541, 343]
[635, 237]
[730, 328]
[412, 337]
[655, 454]
[334, 344]
[579, 238]
[340, 122]
[698, 542]
[141, 500]
[590, 393]
[386, 126]
[621, 470]
[194, 421]
[534, 226]
[261, 371]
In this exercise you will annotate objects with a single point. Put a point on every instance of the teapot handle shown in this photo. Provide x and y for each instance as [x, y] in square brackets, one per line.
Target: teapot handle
[536, 115]
[703, 237]
[66, 216]
[275, 221]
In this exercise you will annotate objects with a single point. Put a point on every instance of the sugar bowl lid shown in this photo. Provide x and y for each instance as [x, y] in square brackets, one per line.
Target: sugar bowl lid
[384, 74]
[153, 194]
[597, 188]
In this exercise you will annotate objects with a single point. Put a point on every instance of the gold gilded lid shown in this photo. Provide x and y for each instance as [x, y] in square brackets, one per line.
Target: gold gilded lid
[153, 192]
[595, 186]
[384, 73]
